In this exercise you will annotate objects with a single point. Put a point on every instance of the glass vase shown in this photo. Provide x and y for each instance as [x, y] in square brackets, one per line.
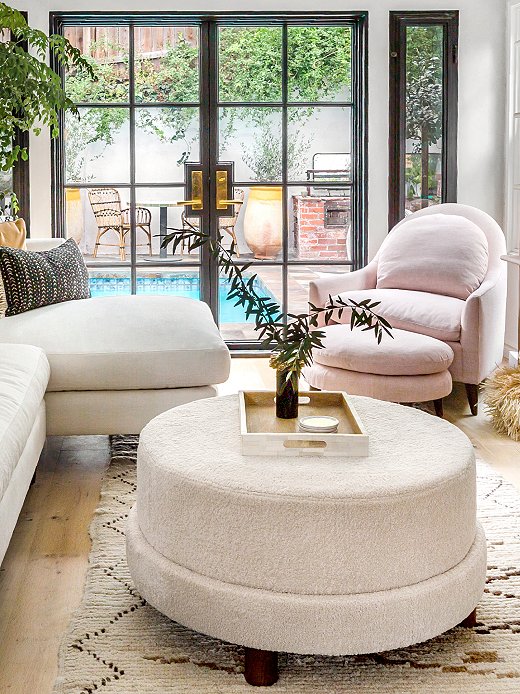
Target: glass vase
[286, 394]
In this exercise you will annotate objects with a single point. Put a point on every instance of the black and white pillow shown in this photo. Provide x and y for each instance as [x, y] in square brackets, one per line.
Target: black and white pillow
[32, 279]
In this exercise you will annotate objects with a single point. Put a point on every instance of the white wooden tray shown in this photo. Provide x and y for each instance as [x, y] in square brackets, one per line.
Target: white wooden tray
[262, 433]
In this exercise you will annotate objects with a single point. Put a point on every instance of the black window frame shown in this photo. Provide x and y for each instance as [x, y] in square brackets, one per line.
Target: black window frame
[399, 21]
[359, 22]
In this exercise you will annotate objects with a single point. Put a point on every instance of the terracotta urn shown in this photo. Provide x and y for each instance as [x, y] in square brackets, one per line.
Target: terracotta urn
[263, 221]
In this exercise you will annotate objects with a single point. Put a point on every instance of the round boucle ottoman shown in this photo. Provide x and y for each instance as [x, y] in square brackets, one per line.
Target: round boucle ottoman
[307, 555]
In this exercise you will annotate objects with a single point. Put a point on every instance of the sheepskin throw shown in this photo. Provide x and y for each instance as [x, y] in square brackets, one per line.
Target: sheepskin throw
[502, 398]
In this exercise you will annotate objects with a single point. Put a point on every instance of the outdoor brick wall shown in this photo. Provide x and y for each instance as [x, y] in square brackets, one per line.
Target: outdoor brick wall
[312, 238]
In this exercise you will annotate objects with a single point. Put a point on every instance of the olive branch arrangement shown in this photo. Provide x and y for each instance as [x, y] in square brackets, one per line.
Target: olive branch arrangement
[293, 338]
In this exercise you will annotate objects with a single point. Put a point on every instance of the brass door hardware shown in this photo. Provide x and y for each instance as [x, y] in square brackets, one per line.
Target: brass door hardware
[194, 190]
[222, 201]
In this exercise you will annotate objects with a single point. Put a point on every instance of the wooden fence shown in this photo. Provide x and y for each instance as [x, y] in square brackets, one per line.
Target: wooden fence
[110, 42]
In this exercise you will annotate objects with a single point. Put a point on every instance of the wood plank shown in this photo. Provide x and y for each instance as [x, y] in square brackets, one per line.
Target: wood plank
[41, 583]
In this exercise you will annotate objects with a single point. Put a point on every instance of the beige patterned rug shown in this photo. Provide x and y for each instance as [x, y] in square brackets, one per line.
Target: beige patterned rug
[117, 644]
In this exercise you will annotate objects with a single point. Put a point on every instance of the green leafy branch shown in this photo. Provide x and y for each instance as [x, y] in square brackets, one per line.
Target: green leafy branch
[292, 338]
[33, 95]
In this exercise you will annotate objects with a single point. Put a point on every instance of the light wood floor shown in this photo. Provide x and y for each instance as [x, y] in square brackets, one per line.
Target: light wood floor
[41, 578]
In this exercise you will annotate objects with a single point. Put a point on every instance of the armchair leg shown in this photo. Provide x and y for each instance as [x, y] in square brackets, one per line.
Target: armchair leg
[472, 393]
[439, 410]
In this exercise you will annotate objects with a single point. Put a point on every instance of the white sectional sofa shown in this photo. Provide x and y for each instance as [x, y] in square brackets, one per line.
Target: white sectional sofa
[96, 366]
[24, 374]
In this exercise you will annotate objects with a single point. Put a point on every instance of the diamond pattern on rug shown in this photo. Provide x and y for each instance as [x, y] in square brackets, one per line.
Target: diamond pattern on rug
[118, 644]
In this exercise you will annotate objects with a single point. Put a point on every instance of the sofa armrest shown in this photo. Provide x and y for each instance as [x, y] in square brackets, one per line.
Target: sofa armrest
[483, 327]
[43, 244]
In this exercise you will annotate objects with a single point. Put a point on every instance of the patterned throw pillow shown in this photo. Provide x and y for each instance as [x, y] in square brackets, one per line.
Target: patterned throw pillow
[32, 279]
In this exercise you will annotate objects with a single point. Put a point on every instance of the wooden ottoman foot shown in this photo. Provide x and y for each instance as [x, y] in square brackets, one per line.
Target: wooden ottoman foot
[261, 667]
[470, 621]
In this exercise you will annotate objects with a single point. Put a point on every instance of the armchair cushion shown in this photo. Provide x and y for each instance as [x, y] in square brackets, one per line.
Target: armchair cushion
[437, 253]
[434, 315]
[407, 354]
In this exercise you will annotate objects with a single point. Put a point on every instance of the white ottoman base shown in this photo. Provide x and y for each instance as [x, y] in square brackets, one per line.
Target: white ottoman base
[320, 624]
[421, 388]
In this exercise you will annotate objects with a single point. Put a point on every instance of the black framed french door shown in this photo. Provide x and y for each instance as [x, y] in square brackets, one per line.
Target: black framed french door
[274, 104]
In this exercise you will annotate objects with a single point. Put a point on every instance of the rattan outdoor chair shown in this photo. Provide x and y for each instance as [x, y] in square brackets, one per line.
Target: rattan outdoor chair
[106, 206]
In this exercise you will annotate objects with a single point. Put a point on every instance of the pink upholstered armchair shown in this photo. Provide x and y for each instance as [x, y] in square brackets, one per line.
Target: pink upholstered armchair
[442, 277]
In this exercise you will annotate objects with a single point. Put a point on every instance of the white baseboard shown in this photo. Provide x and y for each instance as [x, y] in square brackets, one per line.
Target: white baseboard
[514, 359]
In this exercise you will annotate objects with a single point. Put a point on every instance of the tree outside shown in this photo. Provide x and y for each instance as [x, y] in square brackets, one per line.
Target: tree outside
[424, 109]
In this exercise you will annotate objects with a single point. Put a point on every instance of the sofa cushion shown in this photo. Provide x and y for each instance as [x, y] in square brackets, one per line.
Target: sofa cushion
[34, 279]
[407, 354]
[438, 253]
[24, 374]
[420, 312]
[125, 343]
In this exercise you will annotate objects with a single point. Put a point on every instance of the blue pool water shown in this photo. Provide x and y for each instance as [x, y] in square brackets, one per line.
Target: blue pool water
[177, 285]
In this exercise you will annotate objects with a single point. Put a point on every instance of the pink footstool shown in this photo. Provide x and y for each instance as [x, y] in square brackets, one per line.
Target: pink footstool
[408, 368]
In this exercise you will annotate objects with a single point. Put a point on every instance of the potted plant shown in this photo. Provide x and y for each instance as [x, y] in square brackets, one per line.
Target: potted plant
[291, 338]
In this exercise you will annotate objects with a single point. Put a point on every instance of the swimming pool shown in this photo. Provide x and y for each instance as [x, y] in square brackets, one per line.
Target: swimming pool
[177, 285]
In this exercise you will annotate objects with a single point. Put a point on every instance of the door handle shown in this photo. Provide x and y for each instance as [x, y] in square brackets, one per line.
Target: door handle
[222, 191]
[196, 203]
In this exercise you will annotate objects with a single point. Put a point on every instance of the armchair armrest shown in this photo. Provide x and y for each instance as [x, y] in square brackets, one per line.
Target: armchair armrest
[43, 244]
[320, 289]
[483, 327]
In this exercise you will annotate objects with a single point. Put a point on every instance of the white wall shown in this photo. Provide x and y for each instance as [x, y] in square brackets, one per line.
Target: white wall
[482, 56]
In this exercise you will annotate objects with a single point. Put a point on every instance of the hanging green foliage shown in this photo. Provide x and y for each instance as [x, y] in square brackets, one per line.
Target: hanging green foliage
[31, 94]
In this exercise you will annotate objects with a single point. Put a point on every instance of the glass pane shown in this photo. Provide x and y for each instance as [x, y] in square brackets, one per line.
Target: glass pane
[6, 180]
[97, 145]
[166, 64]
[94, 215]
[6, 187]
[252, 138]
[319, 144]
[165, 138]
[233, 323]
[106, 49]
[424, 116]
[158, 214]
[109, 281]
[298, 279]
[320, 223]
[319, 63]
[250, 64]
[173, 282]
